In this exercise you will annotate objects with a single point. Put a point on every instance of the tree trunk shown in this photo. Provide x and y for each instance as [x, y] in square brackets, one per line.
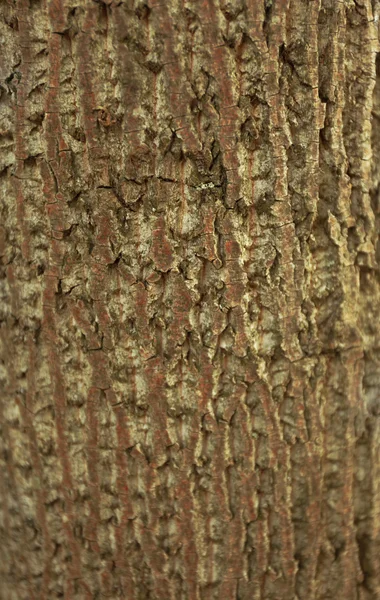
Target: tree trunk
[190, 214]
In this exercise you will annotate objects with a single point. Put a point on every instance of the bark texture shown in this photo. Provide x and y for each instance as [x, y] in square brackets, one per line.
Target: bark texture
[190, 331]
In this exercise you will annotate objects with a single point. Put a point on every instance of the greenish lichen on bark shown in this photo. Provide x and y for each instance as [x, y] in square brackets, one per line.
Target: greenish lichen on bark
[189, 244]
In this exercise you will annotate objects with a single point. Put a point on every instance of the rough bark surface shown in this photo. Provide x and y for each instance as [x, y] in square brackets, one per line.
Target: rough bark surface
[189, 238]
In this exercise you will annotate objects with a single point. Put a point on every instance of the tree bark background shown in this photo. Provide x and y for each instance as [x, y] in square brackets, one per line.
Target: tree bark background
[190, 301]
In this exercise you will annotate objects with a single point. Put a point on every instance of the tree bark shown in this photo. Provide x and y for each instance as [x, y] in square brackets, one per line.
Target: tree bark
[189, 238]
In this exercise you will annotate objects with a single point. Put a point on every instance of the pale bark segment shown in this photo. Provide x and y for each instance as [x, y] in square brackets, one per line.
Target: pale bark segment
[189, 245]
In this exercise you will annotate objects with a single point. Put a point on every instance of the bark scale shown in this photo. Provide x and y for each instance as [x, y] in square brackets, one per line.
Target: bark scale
[190, 291]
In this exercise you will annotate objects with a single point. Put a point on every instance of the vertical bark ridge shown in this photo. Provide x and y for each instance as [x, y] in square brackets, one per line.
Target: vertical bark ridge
[19, 523]
[54, 174]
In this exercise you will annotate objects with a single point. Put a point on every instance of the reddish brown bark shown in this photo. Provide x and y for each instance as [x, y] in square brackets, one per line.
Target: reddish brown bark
[190, 295]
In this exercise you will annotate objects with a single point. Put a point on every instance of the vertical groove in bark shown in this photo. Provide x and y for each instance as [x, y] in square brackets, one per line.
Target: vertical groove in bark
[190, 290]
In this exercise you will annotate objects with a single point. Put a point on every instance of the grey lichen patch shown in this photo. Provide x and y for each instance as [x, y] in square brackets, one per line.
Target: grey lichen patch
[205, 186]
